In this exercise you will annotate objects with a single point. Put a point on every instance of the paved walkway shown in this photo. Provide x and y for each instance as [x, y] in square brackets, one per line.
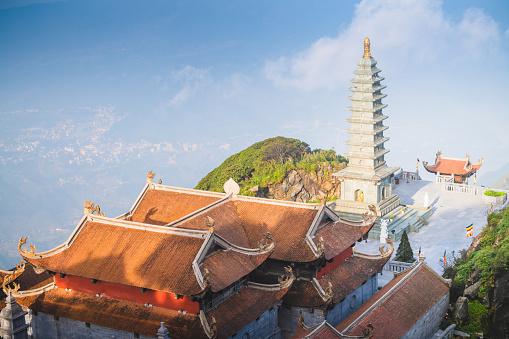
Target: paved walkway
[446, 229]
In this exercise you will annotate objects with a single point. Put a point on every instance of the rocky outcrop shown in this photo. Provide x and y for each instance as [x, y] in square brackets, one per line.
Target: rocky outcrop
[299, 185]
[460, 313]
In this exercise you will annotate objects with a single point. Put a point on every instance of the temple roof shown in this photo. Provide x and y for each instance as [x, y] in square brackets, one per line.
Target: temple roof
[230, 316]
[461, 167]
[154, 257]
[161, 205]
[243, 308]
[245, 220]
[395, 309]
[113, 313]
[320, 331]
[344, 280]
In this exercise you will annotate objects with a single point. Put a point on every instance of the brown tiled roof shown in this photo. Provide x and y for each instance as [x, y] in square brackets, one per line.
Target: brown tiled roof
[351, 274]
[344, 279]
[138, 257]
[287, 223]
[227, 223]
[304, 294]
[118, 314]
[416, 291]
[226, 267]
[339, 236]
[243, 308]
[160, 207]
[453, 166]
[30, 280]
[321, 331]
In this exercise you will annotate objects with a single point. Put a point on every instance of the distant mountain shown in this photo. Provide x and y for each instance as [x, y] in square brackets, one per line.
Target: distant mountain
[280, 168]
[502, 183]
[490, 179]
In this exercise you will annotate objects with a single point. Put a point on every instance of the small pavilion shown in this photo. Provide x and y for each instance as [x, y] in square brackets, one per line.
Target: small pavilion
[461, 169]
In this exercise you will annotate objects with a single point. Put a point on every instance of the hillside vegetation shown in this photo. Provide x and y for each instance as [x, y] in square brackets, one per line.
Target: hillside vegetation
[267, 162]
[481, 274]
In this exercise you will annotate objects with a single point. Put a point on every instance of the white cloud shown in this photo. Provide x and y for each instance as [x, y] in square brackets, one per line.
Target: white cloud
[415, 31]
[192, 79]
[225, 147]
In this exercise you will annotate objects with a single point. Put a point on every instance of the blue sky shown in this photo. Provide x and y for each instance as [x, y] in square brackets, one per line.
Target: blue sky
[211, 78]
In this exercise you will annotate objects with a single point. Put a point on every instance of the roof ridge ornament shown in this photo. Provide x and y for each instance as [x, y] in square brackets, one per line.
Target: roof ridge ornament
[150, 176]
[286, 279]
[267, 242]
[231, 187]
[367, 49]
[209, 222]
[90, 208]
[24, 251]
[9, 278]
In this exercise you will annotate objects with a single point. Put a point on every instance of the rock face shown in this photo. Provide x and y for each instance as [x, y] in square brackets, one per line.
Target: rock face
[298, 185]
[501, 306]
[460, 314]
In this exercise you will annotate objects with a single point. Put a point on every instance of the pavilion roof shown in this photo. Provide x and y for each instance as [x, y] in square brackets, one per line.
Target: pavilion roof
[448, 166]
[398, 305]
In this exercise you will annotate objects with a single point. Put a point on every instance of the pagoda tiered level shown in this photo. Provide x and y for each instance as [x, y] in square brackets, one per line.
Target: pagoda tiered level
[367, 178]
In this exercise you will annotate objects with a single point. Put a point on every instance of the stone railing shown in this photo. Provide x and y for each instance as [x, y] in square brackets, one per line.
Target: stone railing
[396, 266]
[406, 175]
[445, 334]
[444, 178]
[462, 188]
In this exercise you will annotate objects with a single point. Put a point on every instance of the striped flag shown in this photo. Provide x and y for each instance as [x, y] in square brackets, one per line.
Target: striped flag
[420, 251]
[470, 230]
[445, 257]
[491, 208]
[417, 163]
[475, 178]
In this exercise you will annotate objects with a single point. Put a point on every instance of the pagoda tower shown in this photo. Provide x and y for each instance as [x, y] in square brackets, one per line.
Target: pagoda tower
[367, 178]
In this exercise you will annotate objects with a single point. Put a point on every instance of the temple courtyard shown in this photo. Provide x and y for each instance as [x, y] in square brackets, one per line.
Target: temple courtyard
[446, 230]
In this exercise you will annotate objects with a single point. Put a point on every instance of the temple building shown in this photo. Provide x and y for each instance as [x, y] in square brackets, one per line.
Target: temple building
[205, 264]
[367, 180]
[410, 306]
[459, 169]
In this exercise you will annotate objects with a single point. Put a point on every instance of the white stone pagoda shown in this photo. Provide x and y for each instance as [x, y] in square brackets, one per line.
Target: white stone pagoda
[367, 178]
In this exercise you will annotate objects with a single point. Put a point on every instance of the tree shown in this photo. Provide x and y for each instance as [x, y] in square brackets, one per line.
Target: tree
[282, 149]
[404, 252]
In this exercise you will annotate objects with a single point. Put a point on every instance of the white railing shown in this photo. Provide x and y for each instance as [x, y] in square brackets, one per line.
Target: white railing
[406, 175]
[396, 266]
[444, 178]
[462, 188]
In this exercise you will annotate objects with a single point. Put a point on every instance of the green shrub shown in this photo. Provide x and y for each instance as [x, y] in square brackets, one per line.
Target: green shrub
[493, 193]
[477, 319]
[268, 161]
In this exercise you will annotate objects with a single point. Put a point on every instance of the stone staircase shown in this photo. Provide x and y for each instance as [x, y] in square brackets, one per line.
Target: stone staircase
[410, 221]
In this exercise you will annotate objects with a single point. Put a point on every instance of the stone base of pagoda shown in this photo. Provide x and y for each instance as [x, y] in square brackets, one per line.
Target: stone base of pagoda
[346, 207]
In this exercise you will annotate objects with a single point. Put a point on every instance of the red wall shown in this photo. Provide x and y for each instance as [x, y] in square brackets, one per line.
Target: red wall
[129, 293]
[338, 259]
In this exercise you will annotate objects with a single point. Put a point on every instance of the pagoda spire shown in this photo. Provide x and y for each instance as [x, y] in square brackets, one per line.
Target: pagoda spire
[367, 48]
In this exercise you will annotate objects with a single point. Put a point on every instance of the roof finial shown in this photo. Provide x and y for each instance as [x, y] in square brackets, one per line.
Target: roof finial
[367, 52]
